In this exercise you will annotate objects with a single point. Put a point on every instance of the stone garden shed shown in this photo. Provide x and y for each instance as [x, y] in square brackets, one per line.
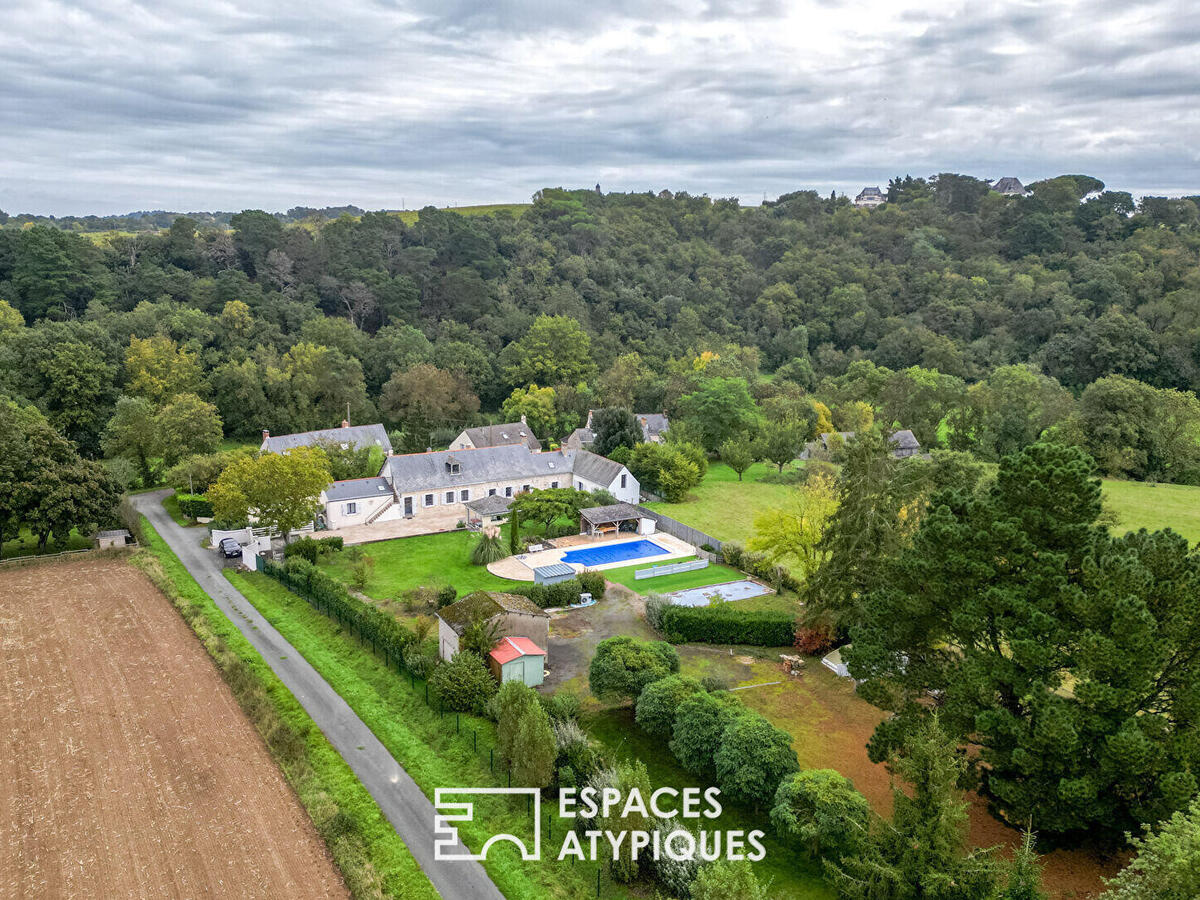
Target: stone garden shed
[517, 617]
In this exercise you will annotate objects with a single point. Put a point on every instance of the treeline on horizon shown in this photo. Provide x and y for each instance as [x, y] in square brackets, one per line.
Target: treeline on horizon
[979, 321]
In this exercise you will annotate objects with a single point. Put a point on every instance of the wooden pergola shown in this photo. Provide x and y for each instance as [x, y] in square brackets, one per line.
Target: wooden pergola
[607, 519]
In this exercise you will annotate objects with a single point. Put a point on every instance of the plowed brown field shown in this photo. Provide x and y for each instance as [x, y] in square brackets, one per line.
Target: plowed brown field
[126, 767]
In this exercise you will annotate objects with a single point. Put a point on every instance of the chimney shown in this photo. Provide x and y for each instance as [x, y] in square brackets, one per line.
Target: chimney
[266, 434]
[345, 423]
[522, 418]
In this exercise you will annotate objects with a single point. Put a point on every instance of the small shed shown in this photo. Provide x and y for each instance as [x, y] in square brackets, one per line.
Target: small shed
[833, 662]
[118, 537]
[518, 659]
[612, 519]
[488, 512]
[553, 573]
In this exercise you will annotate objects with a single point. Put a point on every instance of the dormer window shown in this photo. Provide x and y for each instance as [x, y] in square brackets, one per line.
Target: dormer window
[452, 466]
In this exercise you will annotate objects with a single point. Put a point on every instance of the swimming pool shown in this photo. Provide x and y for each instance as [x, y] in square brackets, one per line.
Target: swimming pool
[731, 590]
[611, 553]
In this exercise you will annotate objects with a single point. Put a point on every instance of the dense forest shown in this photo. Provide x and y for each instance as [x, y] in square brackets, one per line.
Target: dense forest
[977, 320]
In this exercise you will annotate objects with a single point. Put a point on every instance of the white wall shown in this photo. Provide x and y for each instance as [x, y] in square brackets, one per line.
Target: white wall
[337, 517]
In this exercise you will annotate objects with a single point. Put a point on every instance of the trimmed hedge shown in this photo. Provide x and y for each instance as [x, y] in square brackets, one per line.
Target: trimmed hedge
[565, 593]
[310, 548]
[194, 506]
[387, 637]
[726, 624]
[757, 564]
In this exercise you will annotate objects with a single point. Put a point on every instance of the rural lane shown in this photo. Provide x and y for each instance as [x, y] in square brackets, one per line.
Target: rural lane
[402, 801]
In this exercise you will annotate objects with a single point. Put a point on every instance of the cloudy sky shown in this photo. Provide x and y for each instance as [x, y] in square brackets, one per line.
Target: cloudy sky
[112, 105]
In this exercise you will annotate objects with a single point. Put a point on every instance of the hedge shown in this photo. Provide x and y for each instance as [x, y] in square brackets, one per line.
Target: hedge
[310, 548]
[726, 624]
[757, 564]
[564, 593]
[387, 637]
[194, 506]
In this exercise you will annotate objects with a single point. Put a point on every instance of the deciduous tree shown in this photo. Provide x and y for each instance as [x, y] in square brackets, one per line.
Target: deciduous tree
[281, 492]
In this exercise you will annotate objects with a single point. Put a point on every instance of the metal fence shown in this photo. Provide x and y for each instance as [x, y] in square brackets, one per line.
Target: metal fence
[47, 557]
[675, 528]
[670, 569]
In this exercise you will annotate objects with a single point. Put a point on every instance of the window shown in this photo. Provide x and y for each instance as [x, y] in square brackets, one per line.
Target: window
[351, 508]
[554, 484]
[579, 485]
[623, 477]
[429, 499]
[464, 495]
[491, 492]
[450, 496]
[508, 491]
[525, 487]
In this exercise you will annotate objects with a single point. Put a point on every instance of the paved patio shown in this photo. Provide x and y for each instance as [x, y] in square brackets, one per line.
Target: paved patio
[520, 567]
[424, 523]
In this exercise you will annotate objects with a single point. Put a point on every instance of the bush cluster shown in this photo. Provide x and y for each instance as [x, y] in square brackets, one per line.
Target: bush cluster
[312, 548]
[758, 565]
[565, 593]
[726, 624]
[194, 506]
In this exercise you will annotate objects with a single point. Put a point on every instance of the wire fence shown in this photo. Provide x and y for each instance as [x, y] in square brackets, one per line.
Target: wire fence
[463, 727]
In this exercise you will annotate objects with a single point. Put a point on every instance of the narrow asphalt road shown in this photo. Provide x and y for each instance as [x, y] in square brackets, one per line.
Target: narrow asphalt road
[402, 801]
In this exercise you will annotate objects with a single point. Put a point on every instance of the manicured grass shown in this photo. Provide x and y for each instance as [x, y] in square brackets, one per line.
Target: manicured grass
[1155, 506]
[371, 856]
[662, 584]
[428, 560]
[790, 876]
[725, 507]
[423, 742]
[25, 544]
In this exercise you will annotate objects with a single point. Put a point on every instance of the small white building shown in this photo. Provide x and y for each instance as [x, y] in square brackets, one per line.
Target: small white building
[833, 662]
[870, 197]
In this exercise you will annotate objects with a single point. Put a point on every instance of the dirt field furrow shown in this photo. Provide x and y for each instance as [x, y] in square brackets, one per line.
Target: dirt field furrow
[126, 767]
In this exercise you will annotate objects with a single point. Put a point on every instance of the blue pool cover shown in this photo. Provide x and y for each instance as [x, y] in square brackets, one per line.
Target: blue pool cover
[731, 590]
[610, 553]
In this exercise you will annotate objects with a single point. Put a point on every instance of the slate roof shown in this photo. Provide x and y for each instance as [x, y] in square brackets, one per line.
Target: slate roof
[491, 505]
[617, 512]
[428, 472]
[506, 433]
[485, 605]
[580, 438]
[653, 424]
[1009, 185]
[869, 192]
[905, 440]
[593, 467]
[358, 489]
[511, 648]
[358, 435]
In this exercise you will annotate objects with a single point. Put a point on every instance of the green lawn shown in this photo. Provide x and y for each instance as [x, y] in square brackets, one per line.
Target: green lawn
[714, 574]
[790, 875]
[725, 507]
[25, 544]
[409, 216]
[428, 560]
[363, 843]
[1154, 506]
[423, 742]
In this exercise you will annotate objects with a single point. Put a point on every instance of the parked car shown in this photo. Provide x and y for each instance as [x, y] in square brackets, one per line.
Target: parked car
[230, 548]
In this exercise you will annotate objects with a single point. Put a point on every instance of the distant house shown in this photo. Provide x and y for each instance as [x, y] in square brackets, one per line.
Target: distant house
[346, 436]
[516, 616]
[870, 197]
[518, 659]
[653, 425]
[497, 436]
[904, 443]
[1010, 187]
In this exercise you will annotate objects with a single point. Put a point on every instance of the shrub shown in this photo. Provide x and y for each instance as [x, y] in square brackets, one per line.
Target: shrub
[696, 736]
[360, 572]
[656, 605]
[724, 879]
[726, 624]
[446, 595]
[562, 707]
[488, 549]
[419, 660]
[564, 593]
[623, 666]
[591, 583]
[463, 684]
[753, 758]
[534, 749]
[708, 548]
[732, 552]
[814, 640]
[194, 506]
[507, 708]
[304, 548]
[331, 544]
[659, 701]
[820, 811]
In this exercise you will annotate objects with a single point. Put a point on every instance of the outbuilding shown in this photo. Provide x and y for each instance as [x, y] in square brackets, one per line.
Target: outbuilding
[518, 659]
[618, 517]
[119, 537]
[833, 662]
